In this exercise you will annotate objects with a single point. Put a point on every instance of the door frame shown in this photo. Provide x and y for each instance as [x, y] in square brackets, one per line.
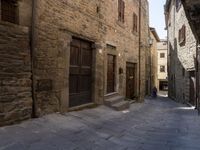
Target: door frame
[135, 76]
[92, 74]
[115, 73]
[110, 50]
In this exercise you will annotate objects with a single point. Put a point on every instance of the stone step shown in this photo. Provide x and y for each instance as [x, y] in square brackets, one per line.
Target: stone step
[116, 99]
[110, 95]
[121, 105]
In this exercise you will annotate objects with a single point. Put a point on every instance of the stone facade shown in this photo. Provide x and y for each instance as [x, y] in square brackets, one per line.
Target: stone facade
[56, 24]
[193, 16]
[151, 63]
[15, 70]
[162, 61]
[181, 66]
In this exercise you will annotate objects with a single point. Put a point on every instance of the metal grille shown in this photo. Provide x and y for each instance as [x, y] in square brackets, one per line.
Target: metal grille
[9, 11]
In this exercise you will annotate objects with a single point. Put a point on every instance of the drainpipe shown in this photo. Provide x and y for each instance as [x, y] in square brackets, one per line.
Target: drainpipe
[139, 54]
[32, 47]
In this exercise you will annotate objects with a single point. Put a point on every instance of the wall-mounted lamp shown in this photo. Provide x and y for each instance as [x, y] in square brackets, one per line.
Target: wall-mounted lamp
[150, 41]
[100, 51]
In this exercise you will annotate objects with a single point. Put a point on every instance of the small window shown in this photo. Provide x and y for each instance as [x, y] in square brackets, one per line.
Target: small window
[182, 36]
[183, 72]
[135, 22]
[162, 55]
[162, 68]
[121, 9]
[178, 5]
[9, 11]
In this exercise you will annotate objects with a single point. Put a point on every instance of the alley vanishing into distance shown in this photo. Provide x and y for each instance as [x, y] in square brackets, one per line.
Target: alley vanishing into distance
[156, 124]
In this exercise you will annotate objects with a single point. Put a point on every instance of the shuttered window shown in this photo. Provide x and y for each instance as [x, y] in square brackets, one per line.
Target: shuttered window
[121, 9]
[9, 11]
[135, 22]
[182, 36]
[162, 68]
[178, 5]
[162, 55]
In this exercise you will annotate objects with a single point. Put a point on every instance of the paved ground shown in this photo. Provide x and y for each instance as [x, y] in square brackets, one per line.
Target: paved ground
[154, 125]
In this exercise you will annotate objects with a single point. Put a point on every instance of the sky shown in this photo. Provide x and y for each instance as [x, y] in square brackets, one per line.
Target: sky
[157, 19]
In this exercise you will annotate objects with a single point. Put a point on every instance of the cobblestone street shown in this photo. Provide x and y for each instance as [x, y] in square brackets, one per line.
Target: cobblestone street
[159, 124]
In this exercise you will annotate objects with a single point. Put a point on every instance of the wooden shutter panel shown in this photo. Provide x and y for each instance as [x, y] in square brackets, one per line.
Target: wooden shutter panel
[9, 11]
[184, 34]
[119, 10]
[134, 22]
[123, 10]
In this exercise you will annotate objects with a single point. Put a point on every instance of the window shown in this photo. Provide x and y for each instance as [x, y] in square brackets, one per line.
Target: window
[121, 8]
[162, 55]
[181, 36]
[183, 72]
[135, 22]
[162, 68]
[9, 11]
[178, 5]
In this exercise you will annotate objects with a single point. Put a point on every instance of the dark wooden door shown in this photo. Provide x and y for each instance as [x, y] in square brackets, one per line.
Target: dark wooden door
[130, 80]
[111, 74]
[80, 73]
[192, 88]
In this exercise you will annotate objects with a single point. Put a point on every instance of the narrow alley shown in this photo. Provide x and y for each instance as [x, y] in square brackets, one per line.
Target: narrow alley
[156, 124]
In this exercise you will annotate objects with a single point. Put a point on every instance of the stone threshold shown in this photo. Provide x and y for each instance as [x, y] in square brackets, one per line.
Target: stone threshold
[84, 106]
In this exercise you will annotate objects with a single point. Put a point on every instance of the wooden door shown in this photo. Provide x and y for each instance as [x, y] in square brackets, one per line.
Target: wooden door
[130, 80]
[80, 85]
[192, 88]
[111, 74]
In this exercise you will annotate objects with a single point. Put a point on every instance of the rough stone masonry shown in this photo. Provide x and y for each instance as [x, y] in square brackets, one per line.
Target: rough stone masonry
[56, 24]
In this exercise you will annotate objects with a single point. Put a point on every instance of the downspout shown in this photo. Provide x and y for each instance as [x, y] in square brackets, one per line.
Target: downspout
[139, 54]
[32, 46]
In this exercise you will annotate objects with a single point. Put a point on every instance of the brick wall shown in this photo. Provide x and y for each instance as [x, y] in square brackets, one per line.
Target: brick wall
[15, 74]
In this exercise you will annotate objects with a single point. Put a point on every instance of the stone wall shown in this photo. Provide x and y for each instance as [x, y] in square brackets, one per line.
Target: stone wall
[154, 62]
[144, 45]
[162, 48]
[15, 74]
[181, 58]
[59, 21]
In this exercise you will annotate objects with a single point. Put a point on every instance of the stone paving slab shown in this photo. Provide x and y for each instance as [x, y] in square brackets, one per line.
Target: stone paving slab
[156, 124]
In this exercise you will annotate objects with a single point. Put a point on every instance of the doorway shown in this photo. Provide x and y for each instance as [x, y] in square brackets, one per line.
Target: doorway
[130, 80]
[110, 73]
[80, 86]
[192, 88]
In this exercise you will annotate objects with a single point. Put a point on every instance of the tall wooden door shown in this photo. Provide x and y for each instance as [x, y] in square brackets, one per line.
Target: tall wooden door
[192, 88]
[111, 74]
[80, 85]
[130, 80]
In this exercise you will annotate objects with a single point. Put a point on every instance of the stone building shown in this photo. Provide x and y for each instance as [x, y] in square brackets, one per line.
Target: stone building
[68, 54]
[192, 13]
[181, 53]
[151, 62]
[162, 82]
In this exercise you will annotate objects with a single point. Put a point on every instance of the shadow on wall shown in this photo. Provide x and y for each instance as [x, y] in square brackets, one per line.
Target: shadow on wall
[181, 81]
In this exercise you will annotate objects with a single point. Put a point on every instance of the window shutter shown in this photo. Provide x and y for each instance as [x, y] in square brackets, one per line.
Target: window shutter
[9, 11]
[184, 33]
[123, 10]
[119, 10]
[134, 22]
